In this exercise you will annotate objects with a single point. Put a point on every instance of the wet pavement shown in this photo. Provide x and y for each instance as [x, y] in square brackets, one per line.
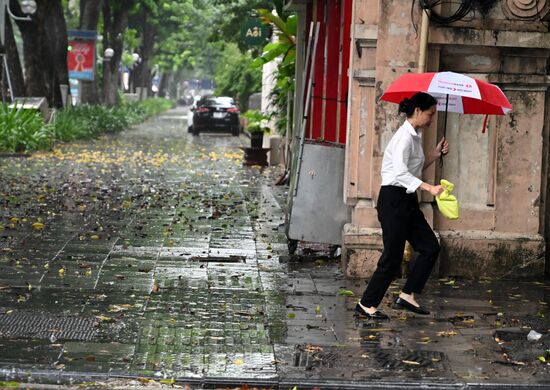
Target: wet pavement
[152, 258]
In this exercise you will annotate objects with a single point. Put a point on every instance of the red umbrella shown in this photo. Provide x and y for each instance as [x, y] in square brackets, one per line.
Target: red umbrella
[454, 92]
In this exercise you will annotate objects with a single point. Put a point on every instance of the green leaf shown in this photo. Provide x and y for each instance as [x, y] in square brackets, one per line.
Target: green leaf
[292, 24]
[277, 21]
[346, 293]
[260, 61]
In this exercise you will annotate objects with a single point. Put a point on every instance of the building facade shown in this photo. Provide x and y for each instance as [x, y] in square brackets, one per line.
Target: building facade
[500, 175]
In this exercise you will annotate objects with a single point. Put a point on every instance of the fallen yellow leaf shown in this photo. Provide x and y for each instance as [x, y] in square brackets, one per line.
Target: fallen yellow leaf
[38, 225]
[447, 333]
[104, 318]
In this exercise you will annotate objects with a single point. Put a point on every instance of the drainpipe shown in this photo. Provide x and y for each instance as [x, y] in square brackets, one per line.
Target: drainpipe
[422, 60]
[424, 31]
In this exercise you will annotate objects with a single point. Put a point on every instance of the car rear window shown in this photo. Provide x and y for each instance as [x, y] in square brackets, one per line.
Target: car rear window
[217, 102]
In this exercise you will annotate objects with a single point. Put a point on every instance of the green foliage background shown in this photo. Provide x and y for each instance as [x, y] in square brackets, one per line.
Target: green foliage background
[235, 77]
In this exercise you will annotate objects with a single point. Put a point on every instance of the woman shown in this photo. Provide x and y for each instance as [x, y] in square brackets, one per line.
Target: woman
[398, 210]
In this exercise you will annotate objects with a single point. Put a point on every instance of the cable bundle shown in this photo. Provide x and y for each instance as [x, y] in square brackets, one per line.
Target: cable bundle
[466, 6]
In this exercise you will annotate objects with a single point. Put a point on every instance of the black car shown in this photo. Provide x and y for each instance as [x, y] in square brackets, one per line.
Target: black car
[214, 114]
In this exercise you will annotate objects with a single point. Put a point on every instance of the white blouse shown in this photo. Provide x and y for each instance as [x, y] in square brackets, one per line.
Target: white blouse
[403, 159]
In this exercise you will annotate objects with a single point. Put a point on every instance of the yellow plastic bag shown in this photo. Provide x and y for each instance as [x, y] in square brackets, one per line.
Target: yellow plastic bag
[447, 203]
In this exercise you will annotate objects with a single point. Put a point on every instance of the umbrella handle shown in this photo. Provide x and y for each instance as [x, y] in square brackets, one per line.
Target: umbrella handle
[485, 124]
[444, 129]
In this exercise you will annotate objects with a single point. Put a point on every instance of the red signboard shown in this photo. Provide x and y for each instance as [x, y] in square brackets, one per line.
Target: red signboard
[81, 56]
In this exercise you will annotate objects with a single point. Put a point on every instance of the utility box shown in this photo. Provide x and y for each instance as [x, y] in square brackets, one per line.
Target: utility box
[318, 212]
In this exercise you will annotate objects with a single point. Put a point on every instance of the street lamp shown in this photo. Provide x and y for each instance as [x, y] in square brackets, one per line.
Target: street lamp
[28, 7]
[108, 54]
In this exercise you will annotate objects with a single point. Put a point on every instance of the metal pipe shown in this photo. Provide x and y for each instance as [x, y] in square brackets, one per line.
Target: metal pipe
[8, 77]
[2, 20]
[424, 32]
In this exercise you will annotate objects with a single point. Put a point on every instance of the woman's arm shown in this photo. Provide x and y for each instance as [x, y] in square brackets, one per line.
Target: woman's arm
[441, 148]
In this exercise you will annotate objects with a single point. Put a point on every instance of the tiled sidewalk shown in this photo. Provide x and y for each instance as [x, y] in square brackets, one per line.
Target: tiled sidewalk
[155, 255]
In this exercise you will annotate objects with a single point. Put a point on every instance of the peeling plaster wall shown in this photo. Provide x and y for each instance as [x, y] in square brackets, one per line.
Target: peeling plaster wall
[500, 175]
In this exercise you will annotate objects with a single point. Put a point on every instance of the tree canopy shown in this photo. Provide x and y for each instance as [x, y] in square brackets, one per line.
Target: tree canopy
[175, 39]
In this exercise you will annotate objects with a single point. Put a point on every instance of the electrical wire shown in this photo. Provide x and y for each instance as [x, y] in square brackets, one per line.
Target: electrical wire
[465, 7]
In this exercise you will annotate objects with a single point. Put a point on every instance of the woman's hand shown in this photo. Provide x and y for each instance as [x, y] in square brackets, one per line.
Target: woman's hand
[434, 190]
[441, 148]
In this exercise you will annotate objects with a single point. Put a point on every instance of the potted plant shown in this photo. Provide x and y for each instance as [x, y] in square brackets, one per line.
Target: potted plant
[255, 127]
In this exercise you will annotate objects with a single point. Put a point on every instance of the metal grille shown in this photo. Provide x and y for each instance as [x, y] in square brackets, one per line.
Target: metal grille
[381, 358]
[219, 259]
[47, 326]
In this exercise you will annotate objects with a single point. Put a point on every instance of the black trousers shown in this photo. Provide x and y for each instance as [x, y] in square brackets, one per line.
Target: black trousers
[401, 221]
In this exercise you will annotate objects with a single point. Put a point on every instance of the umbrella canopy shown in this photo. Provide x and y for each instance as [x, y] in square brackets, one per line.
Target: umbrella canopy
[454, 92]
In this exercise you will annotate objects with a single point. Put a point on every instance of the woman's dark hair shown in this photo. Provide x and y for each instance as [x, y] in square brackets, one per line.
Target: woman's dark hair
[420, 100]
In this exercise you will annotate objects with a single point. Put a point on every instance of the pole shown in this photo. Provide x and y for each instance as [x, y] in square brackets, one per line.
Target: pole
[2, 22]
[3, 46]
[8, 76]
[424, 32]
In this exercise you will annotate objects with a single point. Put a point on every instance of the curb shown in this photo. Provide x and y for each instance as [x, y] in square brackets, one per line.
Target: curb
[58, 378]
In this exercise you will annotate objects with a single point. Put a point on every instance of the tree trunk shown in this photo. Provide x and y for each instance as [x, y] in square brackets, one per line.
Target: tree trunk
[56, 30]
[115, 21]
[143, 70]
[89, 18]
[45, 47]
[15, 72]
[164, 83]
[37, 61]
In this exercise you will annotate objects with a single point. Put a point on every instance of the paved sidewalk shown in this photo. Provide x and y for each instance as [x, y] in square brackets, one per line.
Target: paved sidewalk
[154, 258]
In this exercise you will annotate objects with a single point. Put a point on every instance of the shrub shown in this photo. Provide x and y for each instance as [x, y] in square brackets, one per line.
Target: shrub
[23, 130]
[256, 121]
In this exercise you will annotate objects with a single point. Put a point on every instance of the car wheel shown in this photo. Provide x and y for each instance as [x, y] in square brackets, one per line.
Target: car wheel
[190, 129]
[235, 131]
[194, 131]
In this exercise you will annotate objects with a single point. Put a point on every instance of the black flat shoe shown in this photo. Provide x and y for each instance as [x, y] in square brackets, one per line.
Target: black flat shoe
[377, 315]
[403, 304]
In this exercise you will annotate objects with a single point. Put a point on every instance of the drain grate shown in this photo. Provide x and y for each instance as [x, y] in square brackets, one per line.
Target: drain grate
[47, 326]
[381, 358]
[220, 259]
[406, 359]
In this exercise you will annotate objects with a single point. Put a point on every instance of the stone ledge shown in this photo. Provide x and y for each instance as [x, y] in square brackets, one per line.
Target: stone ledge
[501, 255]
[470, 253]
[474, 37]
